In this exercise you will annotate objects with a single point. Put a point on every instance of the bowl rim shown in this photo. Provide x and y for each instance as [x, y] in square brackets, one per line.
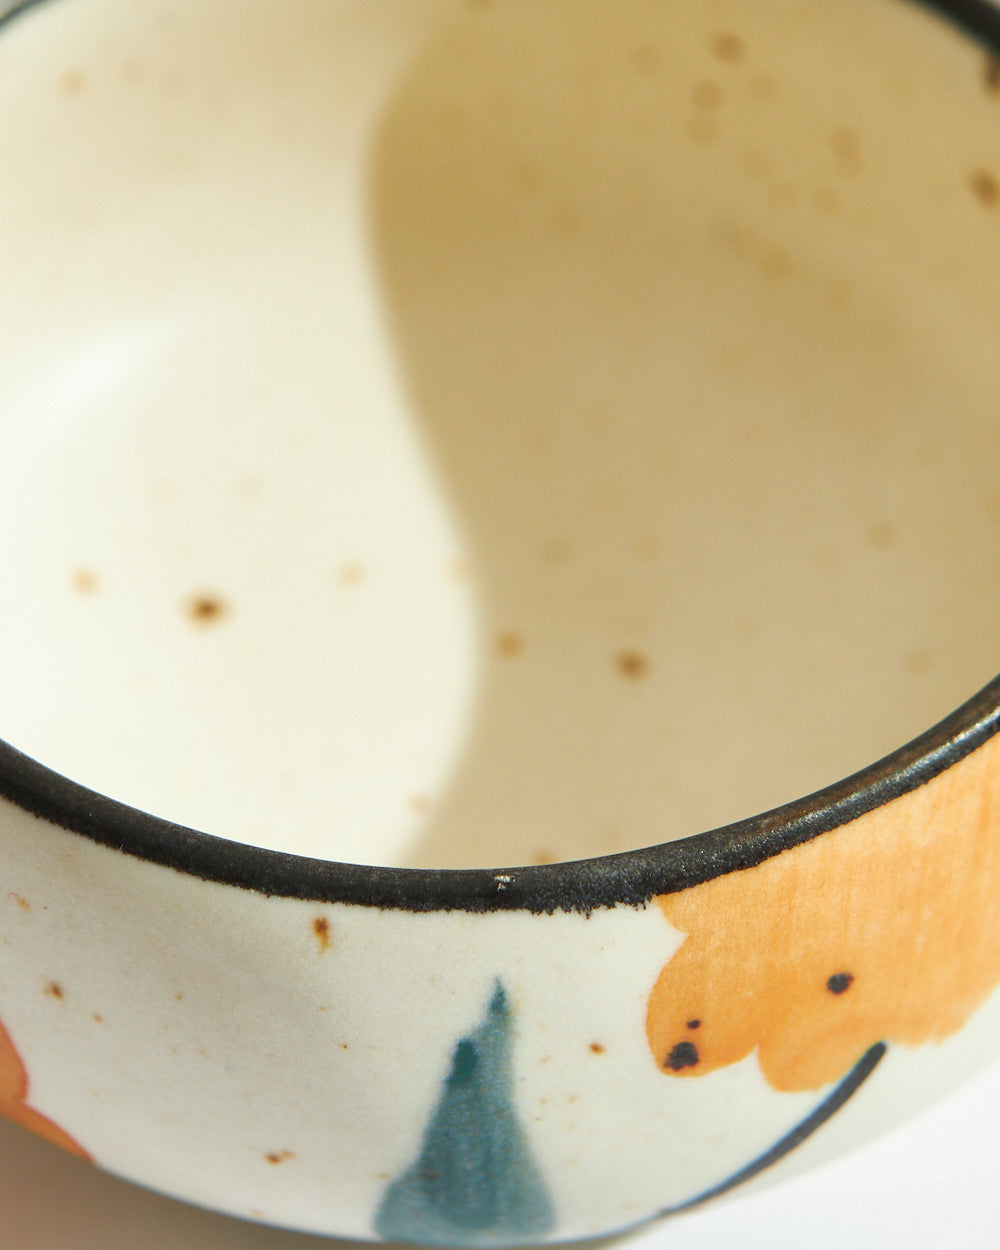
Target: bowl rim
[584, 885]
[625, 878]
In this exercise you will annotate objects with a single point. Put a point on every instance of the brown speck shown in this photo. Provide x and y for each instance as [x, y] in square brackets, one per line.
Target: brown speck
[840, 294]
[756, 164]
[543, 857]
[545, 1059]
[510, 644]
[555, 551]
[344, 1046]
[762, 87]
[881, 534]
[728, 47]
[646, 59]
[565, 223]
[991, 75]
[179, 998]
[632, 664]
[703, 129]
[279, 1156]
[985, 187]
[728, 234]
[694, 1024]
[206, 609]
[453, 122]
[824, 201]
[256, 1213]
[97, 1018]
[321, 928]
[706, 95]
[84, 582]
[419, 804]
[54, 990]
[776, 263]
[527, 176]
[72, 82]
[782, 196]
[249, 487]
[172, 84]
[164, 489]
[846, 146]
[597, 1048]
[351, 574]
[647, 547]
[919, 662]
[20, 900]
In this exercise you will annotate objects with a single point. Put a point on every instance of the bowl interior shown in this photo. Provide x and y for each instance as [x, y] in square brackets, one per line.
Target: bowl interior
[462, 434]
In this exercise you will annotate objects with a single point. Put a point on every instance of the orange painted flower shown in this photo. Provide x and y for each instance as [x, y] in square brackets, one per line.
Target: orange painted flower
[14, 1105]
[886, 929]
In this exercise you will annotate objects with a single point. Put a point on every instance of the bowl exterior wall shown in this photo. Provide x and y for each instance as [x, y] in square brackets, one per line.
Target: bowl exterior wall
[498, 1076]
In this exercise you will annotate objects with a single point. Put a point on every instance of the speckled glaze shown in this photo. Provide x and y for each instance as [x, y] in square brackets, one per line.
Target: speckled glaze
[266, 1024]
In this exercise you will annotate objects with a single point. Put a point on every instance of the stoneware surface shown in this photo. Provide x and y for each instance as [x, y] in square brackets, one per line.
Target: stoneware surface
[441, 436]
[927, 1185]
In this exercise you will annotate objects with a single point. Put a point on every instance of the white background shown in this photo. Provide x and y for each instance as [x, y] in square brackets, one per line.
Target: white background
[932, 1185]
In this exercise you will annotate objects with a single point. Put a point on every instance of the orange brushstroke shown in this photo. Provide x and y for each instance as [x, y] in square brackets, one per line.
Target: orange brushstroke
[13, 1100]
[884, 930]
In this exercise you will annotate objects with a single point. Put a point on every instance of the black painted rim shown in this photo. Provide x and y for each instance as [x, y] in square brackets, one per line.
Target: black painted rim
[631, 878]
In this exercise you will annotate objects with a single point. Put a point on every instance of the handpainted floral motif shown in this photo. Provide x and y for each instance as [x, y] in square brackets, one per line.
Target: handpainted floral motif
[14, 1100]
[886, 929]
[475, 1182]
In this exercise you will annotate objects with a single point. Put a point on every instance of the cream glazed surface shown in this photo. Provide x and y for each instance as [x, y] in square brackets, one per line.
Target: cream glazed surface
[449, 435]
[483, 1075]
[457, 435]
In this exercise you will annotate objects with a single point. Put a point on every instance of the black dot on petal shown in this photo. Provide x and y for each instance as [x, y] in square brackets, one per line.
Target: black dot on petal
[840, 982]
[694, 1024]
[683, 1055]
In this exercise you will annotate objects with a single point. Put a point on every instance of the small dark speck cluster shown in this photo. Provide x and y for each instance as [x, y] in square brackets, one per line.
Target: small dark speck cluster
[279, 1156]
[683, 1055]
[840, 983]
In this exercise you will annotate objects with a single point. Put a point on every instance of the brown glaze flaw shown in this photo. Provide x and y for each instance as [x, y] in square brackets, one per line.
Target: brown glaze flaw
[14, 1104]
[884, 930]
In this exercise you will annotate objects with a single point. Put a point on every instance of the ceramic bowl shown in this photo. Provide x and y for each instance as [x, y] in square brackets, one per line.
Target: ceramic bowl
[443, 435]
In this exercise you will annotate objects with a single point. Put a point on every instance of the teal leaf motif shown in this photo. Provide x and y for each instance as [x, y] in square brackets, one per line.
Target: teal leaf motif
[475, 1182]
